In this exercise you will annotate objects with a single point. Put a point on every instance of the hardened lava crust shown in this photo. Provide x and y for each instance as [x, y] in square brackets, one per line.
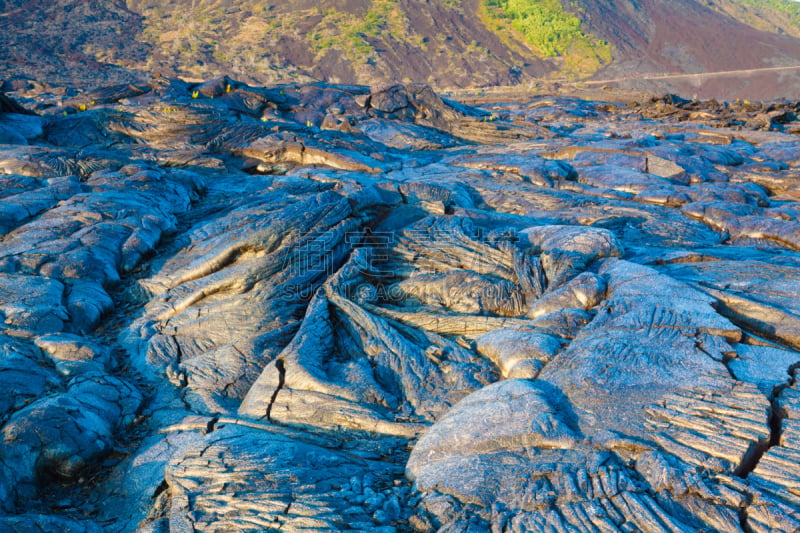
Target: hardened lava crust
[343, 308]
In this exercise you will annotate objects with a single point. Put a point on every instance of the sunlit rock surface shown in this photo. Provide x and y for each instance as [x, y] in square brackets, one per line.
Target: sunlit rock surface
[333, 308]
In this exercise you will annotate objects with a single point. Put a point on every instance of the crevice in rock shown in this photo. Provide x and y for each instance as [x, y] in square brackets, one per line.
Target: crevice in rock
[753, 455]
[161, 488]
[281, 381]
[758, 449]
[211, 425]
[178, 353]
[743, 519]
[698, 344]
[777, 415]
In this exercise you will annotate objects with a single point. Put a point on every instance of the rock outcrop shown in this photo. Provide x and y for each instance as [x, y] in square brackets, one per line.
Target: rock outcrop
[335, 308]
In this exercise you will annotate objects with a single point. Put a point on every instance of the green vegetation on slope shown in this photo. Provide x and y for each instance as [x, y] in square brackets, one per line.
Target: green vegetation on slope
[549, 30]
[270, 40]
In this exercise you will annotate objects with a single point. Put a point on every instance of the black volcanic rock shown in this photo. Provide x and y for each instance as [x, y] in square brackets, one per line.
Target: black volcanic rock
[331, 307]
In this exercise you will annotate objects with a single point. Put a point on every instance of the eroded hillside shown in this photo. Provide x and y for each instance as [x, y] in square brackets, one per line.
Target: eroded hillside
[446, 43]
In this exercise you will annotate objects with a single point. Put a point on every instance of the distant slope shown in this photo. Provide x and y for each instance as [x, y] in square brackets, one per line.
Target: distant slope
[70, 41]
[775, 16]
[548, 30]
[348, 41]
[689, 36]
[447, 43]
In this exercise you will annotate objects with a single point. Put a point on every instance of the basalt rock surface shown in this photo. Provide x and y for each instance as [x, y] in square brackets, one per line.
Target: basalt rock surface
[342, 308]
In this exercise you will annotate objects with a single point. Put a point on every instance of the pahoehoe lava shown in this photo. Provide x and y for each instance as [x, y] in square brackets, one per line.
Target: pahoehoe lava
[342, 308]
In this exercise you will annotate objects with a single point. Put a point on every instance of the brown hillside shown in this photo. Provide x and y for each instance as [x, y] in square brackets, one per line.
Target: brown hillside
[686, 36]
[441, 42]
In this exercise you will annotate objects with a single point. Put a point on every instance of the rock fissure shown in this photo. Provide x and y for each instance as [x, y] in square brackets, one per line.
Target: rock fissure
[281, 368]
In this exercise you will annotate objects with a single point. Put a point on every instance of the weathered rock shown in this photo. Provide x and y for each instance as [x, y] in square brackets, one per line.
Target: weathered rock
[62, 434]
[513, 347]
[584, 291]
[550, 478]
[531, 168]
[619, 179]
[758, 295]
[45, 162]
[31, 523]
[463, 292]
[339, 271]
[405, 136]
[764, 366]
[393, 380]
[391, 99]
[72, 354]
[663, 168]
[776, 471]
[568, 250]
[24, 378]
[281, 149]
[504, 416]
[32, 303]
[279, 482]
[19, 207]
